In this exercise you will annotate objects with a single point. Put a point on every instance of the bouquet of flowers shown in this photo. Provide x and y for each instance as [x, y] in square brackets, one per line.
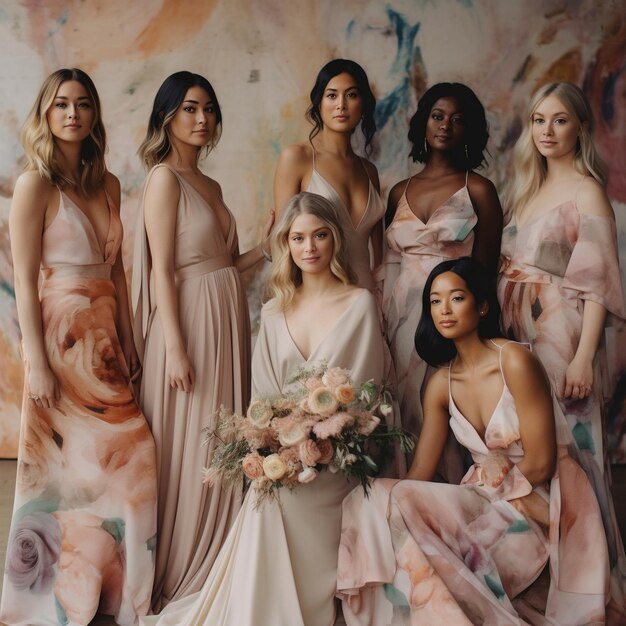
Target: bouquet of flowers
[324, 423]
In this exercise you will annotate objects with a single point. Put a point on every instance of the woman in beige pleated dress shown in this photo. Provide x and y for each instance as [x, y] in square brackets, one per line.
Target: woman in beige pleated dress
[191, 326]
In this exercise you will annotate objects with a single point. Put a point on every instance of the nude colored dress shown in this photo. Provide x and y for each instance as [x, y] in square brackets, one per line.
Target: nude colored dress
[550, 267]
[193, 519]
[413, 249]
[278, 566]
[430, 553]
[84, 521]
[357, 237]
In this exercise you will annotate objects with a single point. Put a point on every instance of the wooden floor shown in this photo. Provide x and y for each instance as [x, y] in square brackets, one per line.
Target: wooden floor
[7, 485]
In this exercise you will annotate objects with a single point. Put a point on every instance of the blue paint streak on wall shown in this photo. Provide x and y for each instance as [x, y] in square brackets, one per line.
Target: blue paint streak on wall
[608, 94]
[406, 56]
[8, 289]
[61, 21]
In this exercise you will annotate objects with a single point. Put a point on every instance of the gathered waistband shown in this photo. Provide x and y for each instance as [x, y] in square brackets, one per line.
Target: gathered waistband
[99, 270]
[205, 267]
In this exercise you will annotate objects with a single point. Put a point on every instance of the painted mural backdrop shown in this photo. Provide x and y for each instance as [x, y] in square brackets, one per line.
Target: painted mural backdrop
[262, 57]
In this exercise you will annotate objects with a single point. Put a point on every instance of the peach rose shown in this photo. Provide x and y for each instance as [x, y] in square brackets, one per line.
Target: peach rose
[309, 453]
[326, 451]
[259, 413]
[345, 394]
[336, 376]
[307, 475]
[322, 401]
[252, 466]
[292, 459]
[274, 467]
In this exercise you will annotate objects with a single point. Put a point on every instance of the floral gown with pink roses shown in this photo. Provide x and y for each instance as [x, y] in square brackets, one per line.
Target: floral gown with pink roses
[550, 266]
[278, 565]
[84, 522]
[421, 552]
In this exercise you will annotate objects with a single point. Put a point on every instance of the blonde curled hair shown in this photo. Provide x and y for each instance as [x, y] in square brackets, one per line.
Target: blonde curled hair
[530, 166]
[38, 140]
[286, 276]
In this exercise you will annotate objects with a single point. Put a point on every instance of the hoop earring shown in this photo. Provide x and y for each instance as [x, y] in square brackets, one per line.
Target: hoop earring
[466, 154]
[425, 147]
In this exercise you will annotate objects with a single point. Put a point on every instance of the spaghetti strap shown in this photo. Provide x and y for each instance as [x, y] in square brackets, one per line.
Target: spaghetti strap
[501, 348]
[409, 179]
[313, 152]
[466, 176]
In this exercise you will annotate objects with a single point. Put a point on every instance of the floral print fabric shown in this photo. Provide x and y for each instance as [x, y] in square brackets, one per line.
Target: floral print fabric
[84, 521]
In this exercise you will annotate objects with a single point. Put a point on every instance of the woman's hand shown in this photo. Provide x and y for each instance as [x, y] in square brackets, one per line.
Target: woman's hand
[266, 234]
[578, 379]
[495, 468]
[43, 388]
[179, 370]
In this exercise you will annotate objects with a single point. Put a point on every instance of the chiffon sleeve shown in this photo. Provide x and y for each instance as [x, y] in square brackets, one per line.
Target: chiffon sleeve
[265, 379]
[140, 285]
[593, 269]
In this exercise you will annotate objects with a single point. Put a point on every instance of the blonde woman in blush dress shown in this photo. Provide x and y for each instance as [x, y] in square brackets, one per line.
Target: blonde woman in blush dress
[326, 164]
[445, 211]
[560, 282]
[84, 520]
[520, 541]
[192, 328]
[278, 566]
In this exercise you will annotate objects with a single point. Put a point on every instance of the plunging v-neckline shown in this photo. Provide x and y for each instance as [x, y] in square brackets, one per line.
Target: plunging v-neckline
[101, 246]
[495, 410]
[444, 203]
[327, 335]
[208, 205]
[345, 206]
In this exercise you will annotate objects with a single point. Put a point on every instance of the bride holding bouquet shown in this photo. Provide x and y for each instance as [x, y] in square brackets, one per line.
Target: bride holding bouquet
[278, 566]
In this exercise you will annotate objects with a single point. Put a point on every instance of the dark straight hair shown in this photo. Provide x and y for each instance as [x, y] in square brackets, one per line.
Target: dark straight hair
[430, 345]
[330, 70]
[475, 124]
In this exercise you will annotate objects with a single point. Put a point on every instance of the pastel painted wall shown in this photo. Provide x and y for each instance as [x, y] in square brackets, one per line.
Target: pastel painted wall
[262, 57]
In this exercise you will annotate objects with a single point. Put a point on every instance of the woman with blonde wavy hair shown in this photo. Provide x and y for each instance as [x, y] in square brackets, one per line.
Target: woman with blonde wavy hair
[84, 518]
[191, 327]
[560, 281]
[278, 565]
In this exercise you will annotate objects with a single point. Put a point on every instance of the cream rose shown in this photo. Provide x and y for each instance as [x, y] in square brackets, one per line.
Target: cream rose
[322, 401]
[313, 382]
[336, 376]
[294, 435]
[260, 413]
[274, 467]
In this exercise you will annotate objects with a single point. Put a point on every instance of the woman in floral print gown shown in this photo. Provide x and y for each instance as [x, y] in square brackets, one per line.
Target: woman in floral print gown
[84, 523]
[560, 283]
